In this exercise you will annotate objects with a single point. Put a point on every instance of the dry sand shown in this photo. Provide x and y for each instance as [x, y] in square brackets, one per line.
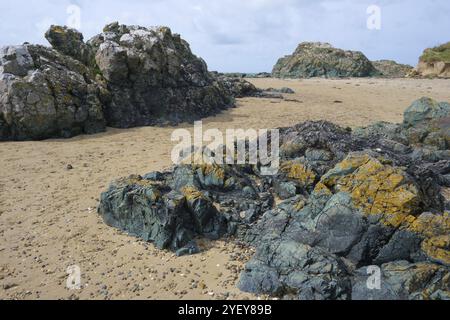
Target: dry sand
[48, 217]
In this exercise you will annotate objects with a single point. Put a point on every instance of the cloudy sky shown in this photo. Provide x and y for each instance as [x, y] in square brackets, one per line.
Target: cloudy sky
[247, 35]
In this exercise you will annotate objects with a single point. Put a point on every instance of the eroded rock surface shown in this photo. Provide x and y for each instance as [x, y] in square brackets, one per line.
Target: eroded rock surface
[342, 203]
[392, 69]
[316, 59]
[153, 77]
[44, 94]
[126, 76]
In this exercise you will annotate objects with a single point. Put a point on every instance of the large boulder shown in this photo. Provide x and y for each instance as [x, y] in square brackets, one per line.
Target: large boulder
[148, 209]
[44, 94]
[171, 209]
[124, 77]
[154, 78]
[316, 59]
[427, 122]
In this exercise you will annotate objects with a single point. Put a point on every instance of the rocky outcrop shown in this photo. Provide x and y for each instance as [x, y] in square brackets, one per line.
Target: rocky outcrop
[348, 201]
[391, 69]
[316, 59]
[124, 77]
[434, 62]
[153, 77]
[45, 94]
[236, 86]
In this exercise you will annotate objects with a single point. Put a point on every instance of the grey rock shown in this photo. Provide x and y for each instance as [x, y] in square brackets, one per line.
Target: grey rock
[315, 59]
[392, 69]
[154, 78]
[169, 219]
[70, 42]
[425, 110]
[288, 268]
[401, 280]
[44, 94]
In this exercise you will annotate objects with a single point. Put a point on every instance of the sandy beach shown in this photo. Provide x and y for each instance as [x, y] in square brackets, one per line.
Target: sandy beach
[48, 217]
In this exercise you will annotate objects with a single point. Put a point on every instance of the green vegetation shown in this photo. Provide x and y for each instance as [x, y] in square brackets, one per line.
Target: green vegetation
[439, 53]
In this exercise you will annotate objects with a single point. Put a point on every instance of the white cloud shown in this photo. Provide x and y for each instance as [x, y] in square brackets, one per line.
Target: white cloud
[250, 35]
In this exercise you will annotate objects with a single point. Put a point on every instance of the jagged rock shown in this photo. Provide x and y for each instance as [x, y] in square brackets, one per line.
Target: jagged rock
[376, 188]
[392, 69]
[434, 230]
[260, 75]
[434, 62]
[154, 78]
[287, 268]
[426, 126]
[44, 94]
[71, 43]
[126, 76]
[315, 59]
[171, 209]
[401, 280]
[427, 122]
[149, 210]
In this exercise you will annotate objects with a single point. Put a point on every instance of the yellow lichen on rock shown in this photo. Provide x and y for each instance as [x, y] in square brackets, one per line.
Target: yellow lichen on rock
[420, 274]
[431, 225]
[191, 193]
[320, 187]
[299, 172]
[213, 170]
[435, 229]
[149, 187]
[375, 187]
[438, 249]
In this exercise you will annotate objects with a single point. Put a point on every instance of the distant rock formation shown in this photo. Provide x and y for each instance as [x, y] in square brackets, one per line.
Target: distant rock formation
[434, 62]
[391, 69]
[316, 59]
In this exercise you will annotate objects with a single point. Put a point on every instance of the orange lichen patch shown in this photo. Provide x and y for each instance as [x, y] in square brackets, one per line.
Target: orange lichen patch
[191, 193]
[320, 187]
[299, 205]
[420, 274]
[376, 188]
[299, 172]
[431, 225]
[137, 180]
[438, 249]
[436, 231]
[58, 29]
[149, 187]
[214, 170]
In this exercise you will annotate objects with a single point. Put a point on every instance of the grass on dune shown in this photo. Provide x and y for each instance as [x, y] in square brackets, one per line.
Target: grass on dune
[439, 53]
